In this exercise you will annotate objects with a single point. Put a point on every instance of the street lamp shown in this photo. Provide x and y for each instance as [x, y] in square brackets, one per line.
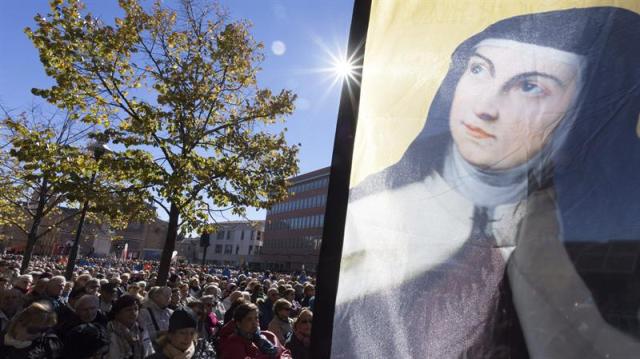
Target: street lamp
[98, 149]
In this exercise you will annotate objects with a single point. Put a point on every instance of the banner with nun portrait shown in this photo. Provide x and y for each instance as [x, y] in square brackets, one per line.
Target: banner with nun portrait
[494, 208]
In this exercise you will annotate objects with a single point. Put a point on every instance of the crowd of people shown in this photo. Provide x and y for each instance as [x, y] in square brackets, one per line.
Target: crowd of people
[114, 309]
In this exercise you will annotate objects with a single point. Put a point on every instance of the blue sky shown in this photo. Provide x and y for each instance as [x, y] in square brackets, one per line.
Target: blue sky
[298, 36]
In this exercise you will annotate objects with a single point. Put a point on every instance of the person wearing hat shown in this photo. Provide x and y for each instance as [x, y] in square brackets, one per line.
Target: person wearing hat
[128, 339]
[179, 341]
[86, 341]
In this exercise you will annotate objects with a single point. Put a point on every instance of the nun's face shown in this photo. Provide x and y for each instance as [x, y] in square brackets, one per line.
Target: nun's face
[508, 102]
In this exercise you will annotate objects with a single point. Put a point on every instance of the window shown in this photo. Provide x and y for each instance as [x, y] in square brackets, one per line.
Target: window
[228, 235]
[218, 249]
[251, 238]
[250, 249]
[228, 248]
[237, 249]
[242, 235]
[220, 235]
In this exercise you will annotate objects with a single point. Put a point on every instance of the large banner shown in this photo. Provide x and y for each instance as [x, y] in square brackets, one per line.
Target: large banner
[494, 208]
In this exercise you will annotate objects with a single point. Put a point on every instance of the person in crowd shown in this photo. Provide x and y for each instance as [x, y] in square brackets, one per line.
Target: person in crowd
[134, 289]
[230, 289]
[108, 294]
[299, 288]
[4, 282]
[174, 303]
[82, 280]
[266, 309]
[143, 287]
[10, 303]
[23, 283]
[86, 341]
[228, 316]
[185, 296]
[68, 287]
[209, 303]
[92, 287]
[218, 307]
[207, 321]
[179, 341]
[309, 292]
[155, 313]
[124, 282]
[248, 341]
[38, 291]
[29, 336]
[128, 339]
[54, 292]
[300, 343]
[290, 295]
[257, 292]
[281, 325]
[194, 287]
[84, 310]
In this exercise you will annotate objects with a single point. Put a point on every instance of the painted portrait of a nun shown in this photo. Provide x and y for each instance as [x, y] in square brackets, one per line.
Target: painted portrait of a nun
[531, 143]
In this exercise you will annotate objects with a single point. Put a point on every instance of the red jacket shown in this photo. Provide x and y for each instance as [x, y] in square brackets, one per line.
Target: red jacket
[237, 347]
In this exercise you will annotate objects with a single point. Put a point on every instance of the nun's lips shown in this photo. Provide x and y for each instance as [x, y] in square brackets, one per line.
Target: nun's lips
[477, 132]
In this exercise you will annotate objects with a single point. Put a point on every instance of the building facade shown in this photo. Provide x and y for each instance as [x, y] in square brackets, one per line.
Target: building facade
[293, 230]
[95, 240]
[236, 243]
[143, 240]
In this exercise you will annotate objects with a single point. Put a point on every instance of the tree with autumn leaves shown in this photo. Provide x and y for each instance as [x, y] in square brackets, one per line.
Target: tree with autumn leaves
[175, 93]
[45, 166]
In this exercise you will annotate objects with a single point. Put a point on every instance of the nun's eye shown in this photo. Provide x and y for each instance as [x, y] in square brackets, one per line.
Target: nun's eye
[531, 88]
[476, 69]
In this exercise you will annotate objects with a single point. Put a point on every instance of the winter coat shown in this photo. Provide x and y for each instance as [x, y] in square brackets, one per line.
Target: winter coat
[47, 346]
[150, 312]
[298, 349]
[237, 347]
[127, 343]
[282, 329]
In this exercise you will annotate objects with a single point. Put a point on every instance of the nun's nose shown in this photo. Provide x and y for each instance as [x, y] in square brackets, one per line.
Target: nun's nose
[486, 107]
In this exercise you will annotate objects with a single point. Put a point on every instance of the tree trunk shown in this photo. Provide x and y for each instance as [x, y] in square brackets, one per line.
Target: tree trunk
[71, 262]
[204, 255]
[169, 246]
[35, 225]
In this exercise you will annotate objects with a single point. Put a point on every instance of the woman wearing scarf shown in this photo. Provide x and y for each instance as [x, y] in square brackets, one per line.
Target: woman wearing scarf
[248, 341]
[460, 246]
[179, 341]
[281, 325]
[128, 339]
